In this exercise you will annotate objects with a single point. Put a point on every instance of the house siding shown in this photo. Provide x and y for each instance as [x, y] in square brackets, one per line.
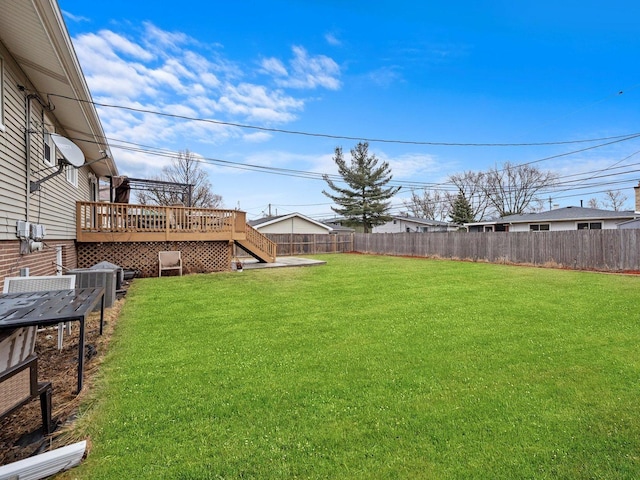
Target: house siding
[566, 225]
[54, 204]
[12, 152]
[401, 227]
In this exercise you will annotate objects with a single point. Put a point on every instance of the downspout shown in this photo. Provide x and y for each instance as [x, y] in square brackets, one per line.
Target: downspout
[27, 142]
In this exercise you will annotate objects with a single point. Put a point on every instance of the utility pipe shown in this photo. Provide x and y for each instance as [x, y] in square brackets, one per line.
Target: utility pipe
[27, 143]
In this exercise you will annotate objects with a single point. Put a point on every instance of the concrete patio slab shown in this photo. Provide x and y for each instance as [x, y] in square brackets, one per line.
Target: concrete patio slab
[252, 264]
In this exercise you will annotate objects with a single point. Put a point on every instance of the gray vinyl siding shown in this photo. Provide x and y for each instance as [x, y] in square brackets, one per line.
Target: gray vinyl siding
[12, 153]
[54, 204]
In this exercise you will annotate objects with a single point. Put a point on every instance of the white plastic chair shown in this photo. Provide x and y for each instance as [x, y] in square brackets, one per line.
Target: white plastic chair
[42, 284]
[169, 261]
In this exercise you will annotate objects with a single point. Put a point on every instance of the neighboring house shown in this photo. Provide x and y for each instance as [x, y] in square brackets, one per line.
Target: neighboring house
[291, 223]
[337, 228]
[37, 59]
[342, 225]
[567, 218]
[407, 224]
[629, 224]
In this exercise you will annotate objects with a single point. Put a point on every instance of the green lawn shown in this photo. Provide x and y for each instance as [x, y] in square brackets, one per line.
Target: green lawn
[372, 367]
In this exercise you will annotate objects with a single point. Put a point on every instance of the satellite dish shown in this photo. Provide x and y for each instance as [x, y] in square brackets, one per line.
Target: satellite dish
[71, 153]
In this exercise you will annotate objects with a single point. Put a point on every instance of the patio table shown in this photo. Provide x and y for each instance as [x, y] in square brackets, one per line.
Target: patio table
[51, 308]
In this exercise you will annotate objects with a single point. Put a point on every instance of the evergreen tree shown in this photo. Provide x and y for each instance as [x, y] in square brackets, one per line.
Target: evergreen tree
[461, 210]
[364, 199]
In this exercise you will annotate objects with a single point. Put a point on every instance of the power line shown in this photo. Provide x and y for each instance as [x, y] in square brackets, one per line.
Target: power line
[338, 137]
[415, 185]
[570, 184]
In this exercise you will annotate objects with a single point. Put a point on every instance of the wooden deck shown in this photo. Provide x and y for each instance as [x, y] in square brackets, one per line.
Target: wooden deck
[123, 222]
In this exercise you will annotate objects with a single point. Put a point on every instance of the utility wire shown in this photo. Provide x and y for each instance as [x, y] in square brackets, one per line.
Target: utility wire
[337, 137]
[149, 150]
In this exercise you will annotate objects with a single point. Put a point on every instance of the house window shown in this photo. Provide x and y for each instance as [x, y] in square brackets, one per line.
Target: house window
[72, 175]
[590, 226]
[49, 150]
[394, 222]
[539, 227]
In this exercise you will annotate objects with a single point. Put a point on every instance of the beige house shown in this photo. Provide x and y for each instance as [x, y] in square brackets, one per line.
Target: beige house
[291, 223]
[43, 93]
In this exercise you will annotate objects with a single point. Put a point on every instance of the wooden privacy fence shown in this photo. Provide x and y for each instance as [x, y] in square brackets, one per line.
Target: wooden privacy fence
[603, 250]
[309, 243]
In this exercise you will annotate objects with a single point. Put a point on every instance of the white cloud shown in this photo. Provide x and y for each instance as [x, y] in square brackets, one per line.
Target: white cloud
[311, 71]
[74, 18]
[151, 70]
[257, 137]
[332, 39]
[411, 165]
[274, 67]
[119, 44]
[162, 40]
[385, 76]
[256, 102]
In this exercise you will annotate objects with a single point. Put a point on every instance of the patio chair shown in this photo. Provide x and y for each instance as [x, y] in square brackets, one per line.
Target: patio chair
[169, 261]
[19, 375]
[41, 284]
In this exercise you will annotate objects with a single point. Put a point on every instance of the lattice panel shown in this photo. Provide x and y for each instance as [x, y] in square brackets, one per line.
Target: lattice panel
[15, 390]
[197, 257]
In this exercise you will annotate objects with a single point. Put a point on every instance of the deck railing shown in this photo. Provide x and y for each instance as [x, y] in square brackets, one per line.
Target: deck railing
[264, 244]
[99, 221]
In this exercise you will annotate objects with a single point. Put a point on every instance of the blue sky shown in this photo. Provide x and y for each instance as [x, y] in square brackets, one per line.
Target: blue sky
[416, 76]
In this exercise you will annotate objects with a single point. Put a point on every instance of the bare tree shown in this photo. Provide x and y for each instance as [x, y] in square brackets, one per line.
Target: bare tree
[615, 199]
[513, 189]
[593, 203]
[473, 187]
[433, 204]
[184, 169]
[538, 205]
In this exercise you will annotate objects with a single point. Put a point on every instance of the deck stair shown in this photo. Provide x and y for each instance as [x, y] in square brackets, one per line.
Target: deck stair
[257, 245]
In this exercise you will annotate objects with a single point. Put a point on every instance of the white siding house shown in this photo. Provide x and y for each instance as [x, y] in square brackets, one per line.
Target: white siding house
[568, 218]
[292, 223]
[404, 224]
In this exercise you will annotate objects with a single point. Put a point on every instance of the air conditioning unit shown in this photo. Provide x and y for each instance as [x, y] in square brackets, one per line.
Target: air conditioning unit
[109, 266]
[92, 278]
